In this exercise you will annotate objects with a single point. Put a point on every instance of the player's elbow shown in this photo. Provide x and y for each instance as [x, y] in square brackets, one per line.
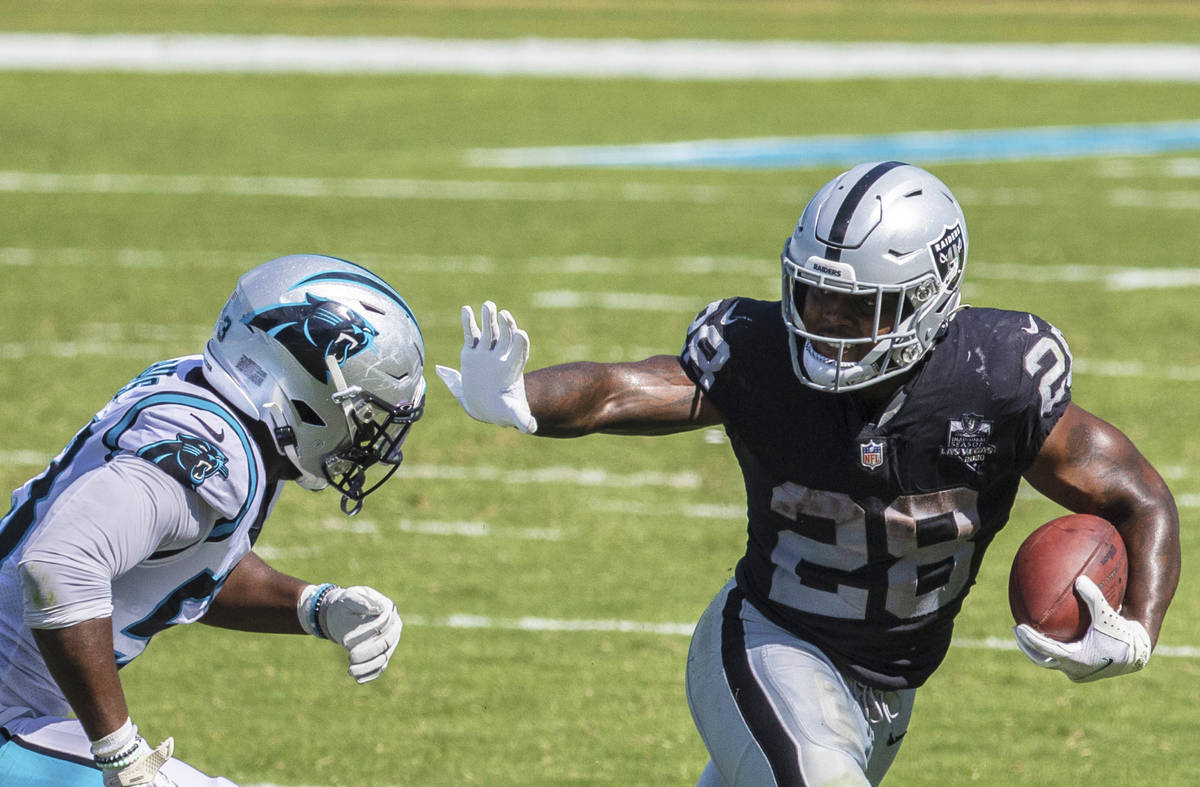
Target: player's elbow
[1141, 495]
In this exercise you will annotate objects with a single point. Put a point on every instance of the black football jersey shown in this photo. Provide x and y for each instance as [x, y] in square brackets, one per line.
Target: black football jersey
[866, 531]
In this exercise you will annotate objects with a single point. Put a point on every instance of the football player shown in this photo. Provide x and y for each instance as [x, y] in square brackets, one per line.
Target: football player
[882, 429]
[148, 518]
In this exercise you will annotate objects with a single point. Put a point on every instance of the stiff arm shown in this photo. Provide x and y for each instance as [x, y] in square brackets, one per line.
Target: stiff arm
[648, 397]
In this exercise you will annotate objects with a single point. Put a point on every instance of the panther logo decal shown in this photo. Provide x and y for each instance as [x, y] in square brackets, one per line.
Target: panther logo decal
[315, 329]
[188, 459]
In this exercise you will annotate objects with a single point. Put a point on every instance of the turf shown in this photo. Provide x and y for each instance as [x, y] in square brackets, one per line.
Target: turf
[96, 285]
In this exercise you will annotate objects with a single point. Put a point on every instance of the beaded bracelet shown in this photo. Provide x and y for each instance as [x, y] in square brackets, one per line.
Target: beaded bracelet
[314, 615]
[125, 755]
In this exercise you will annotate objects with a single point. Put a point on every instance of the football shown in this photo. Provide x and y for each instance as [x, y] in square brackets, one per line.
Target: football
[1041, 585]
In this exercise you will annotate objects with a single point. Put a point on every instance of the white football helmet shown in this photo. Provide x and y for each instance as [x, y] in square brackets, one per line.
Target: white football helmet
[891, 232]
[330, 358]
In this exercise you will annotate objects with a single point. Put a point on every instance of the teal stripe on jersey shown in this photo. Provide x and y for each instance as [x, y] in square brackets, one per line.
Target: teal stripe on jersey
[223, 527]
[19, 520]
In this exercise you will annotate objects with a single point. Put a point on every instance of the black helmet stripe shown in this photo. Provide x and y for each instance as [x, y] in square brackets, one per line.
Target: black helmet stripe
[841, 222]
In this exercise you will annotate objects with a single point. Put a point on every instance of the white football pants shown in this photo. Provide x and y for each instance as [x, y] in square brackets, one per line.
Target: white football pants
[54, 751]
[773, 710]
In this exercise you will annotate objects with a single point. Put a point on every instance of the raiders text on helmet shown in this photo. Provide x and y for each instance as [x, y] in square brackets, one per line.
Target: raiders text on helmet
[887, 231]
[330, 358]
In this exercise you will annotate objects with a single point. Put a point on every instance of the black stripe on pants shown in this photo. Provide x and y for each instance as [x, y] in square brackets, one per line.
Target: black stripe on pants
[752, 700]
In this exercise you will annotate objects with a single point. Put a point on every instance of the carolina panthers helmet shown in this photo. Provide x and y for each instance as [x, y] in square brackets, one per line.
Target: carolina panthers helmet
[891, 232]
[330, 358]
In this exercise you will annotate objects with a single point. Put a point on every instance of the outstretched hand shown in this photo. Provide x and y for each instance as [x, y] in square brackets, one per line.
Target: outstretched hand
[491, 383]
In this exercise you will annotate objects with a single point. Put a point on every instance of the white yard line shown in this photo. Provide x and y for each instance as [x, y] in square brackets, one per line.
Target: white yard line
[1166, 199]
[470, 621]
[432, 527]
[567, 476]
[487, 190]
[1107, 277]
[613, 301]
[597, 58]
[684, 510]
[578, 476]
[373, 188]
[597, 477]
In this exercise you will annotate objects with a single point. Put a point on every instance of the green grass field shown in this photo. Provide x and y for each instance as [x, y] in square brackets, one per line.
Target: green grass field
[99, 282]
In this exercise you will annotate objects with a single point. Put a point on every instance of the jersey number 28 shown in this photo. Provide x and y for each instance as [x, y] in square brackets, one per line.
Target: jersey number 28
[841, 560]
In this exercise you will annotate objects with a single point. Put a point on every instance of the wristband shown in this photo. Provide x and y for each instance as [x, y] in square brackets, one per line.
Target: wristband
[119, 748]
[309, 610]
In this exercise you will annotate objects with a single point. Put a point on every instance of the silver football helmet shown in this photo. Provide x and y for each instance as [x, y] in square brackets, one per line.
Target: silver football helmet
[890, 232]
[330, 358]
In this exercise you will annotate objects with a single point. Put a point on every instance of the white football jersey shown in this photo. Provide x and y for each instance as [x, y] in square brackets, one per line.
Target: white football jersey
[168, 417]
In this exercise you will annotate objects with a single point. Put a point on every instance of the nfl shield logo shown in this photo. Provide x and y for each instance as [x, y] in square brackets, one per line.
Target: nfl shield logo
[871, 454]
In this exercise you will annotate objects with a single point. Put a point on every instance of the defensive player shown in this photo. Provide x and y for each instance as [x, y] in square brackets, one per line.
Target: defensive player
[148, 517]
[882, 430]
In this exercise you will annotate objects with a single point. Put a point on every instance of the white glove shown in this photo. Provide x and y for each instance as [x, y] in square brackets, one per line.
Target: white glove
[491, 386]
[360, 619]
[125, 759]
[1111, 646]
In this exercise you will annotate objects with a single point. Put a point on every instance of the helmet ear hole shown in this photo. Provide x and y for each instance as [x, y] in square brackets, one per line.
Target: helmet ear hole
[307, 414]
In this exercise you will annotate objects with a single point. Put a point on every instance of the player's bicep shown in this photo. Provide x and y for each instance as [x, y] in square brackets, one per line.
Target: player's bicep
[1089, 466]
[108, 521]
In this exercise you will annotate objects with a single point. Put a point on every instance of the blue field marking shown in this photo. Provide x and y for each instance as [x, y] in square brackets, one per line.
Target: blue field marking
[920, 147]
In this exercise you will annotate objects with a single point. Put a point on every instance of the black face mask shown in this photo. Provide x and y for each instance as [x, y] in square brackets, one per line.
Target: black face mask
[374, 446]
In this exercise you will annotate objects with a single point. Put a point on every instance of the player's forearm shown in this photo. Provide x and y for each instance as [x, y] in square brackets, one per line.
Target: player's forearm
[1151, 537]
[648, 397]
[257, 598]
[80, 659]
[1134, 498]
[568, 400]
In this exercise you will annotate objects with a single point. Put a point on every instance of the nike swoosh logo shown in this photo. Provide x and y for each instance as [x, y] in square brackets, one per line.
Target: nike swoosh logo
[1032, 329]
[1108, 662]
[218, 436]
[726, 318]
[894, 739]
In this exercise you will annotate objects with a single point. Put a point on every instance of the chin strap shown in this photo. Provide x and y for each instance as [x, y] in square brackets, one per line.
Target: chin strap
[346, 395]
